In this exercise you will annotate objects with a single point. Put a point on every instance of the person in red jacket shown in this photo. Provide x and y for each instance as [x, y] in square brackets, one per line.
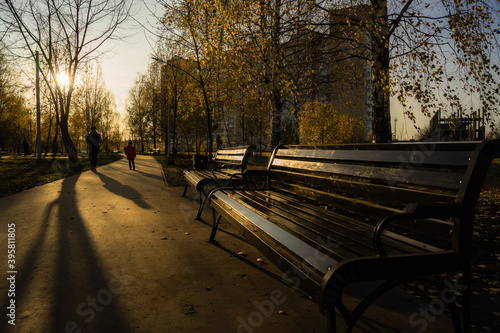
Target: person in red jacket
[130, 153]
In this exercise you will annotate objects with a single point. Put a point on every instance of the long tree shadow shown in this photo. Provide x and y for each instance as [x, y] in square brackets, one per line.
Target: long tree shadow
[125, 191]
[84, 293]
[80, 293]
[27, 267]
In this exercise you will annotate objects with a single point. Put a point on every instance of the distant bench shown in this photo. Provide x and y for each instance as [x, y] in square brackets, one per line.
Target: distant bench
[227, 168]
[3, 152]
[334, 215]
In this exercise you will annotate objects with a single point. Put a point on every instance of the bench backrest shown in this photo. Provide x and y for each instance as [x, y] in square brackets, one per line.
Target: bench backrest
[233, 157]
[372, 180]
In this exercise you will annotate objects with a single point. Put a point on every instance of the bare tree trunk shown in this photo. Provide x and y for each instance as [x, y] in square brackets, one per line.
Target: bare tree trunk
[55, 148]
[296, 127]
[243, 126]
[209, 116]
[276, 118]
[51, 117]
[174, 129]
[381, 122]
[70, 147]
[276, 64]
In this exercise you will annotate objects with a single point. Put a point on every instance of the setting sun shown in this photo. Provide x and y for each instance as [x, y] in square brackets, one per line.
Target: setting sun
[63, 79]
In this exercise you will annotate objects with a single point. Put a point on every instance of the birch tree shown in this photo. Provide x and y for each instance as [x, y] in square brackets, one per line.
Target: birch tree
[65, 33]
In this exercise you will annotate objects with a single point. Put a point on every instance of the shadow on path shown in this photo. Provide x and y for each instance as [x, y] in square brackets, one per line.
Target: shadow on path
[80, 273]
[150, 175]
[125, 191]
[80, 293]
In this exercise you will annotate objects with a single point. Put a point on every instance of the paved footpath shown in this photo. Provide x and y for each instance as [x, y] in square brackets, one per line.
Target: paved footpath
[119, 251]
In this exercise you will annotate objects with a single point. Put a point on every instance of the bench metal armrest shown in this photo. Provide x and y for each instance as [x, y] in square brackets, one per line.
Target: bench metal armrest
[415, 211]
[245, 173]
[230, 177]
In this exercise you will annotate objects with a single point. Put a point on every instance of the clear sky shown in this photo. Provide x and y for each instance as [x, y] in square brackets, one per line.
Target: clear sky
[130, 56]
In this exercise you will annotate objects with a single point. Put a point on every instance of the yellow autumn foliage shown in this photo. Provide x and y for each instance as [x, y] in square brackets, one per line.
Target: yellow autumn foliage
[320, 123]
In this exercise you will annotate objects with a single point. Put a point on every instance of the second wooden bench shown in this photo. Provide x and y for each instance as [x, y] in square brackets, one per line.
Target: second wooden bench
[227, 168]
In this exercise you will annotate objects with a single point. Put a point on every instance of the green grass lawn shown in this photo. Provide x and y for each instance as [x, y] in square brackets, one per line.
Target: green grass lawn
[19, 174]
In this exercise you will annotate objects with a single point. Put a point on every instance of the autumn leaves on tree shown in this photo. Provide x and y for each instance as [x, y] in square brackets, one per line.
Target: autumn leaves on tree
[67, 35]
[294, 54]
[264, 64]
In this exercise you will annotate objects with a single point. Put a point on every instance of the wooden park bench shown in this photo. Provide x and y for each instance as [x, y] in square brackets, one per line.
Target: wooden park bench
[228, 167]
[389, 213]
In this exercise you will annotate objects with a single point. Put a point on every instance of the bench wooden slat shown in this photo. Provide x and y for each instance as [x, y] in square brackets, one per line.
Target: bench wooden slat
[321, 228]
[415, 157]
[382, 194]
[227, 157]
[232, 151]
[358, 205]
[312, 230]
[436, 179]
[253, 227]
[440, 229]
[232, 156]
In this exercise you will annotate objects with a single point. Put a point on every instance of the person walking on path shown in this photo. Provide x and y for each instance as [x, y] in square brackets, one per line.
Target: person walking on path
[130, 153]
[26, 148]
[93, 140]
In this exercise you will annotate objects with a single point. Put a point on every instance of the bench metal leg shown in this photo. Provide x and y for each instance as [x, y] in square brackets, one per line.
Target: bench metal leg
[467, 300]
[185, 188]
[214, 226]
[332, 321]
[202, 204]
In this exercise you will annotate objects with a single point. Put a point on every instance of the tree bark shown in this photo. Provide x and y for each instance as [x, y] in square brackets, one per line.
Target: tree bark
[276, 119]
[381, 121]
[276, 65]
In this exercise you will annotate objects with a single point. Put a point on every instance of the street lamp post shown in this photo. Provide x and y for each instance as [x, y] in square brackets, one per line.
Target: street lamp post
[395, 130]
[38, 126]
